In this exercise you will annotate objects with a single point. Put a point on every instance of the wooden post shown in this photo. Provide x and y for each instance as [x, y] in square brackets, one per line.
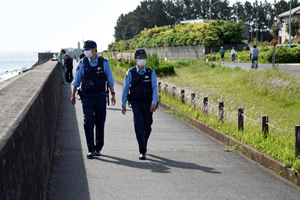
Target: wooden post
[297, 145]
[205, 106]
[240, 119]
[116, 57]
[173, 90]
[265, 127]
[221, 111]
[121, 53]
[182, 96]
[193, 100]
[159, 86]
[130, 53]
[166, 88]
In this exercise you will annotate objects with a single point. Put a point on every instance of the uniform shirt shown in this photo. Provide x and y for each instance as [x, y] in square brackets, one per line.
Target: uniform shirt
[232, 51]
[128, 81]
[254, 52]
[80, 72]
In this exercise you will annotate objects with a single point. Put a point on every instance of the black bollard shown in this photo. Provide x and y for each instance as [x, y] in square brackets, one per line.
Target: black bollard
[297, 135]
[159, 86]
[193, 100]
[265, 127]
[205, 105]
[221, 111]
[240, 119]
[182, 96]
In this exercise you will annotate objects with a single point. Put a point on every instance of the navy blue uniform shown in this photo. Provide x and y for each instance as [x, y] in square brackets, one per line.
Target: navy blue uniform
[143, 90]
[93, 76]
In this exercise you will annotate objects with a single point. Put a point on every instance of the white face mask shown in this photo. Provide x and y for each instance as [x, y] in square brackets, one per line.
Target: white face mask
[141, 62]
[88, 53]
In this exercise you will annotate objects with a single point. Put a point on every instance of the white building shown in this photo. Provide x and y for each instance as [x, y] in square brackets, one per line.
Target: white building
[282, 34]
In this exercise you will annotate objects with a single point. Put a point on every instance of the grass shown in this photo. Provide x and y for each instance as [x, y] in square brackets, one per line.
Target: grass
[270, 92]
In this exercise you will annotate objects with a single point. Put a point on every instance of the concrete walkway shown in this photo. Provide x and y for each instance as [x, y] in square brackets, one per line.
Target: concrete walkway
[183, 162]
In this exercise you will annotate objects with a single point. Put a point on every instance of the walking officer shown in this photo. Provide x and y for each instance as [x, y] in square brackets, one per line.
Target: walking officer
[93, 72]
[142, 84]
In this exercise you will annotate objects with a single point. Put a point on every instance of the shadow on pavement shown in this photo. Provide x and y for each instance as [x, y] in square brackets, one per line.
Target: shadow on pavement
[157, 164]
[68, 177]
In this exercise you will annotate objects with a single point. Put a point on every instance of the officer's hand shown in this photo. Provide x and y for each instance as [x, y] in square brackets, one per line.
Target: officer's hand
[152, 108]
[73, 100]
[113, 100]
[124, 110]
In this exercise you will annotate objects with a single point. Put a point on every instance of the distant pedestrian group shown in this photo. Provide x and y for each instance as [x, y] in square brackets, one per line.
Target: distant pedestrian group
[65, 62]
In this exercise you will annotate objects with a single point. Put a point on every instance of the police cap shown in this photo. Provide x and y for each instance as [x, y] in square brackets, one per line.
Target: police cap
[139, 53]
[89, 44]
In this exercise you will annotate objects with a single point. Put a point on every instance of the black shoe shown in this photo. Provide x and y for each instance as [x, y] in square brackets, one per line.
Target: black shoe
[90, 155]
[97, 153]
[143, 157]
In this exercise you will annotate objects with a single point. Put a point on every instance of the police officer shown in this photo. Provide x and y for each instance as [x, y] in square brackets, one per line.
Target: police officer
[93, 72]
[142, 83]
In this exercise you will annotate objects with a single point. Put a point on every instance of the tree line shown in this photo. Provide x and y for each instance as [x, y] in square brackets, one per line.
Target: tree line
[259, 15]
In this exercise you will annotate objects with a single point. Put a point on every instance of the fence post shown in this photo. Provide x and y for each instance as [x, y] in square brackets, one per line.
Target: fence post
[241, 119]
[159, 86]
[173, 90]
[166, 88]
[221, 111]
[182, 96]
[122, 53]
[205, 101]
[193, 100]
[273, 58]
[297, 135]
[265, 127]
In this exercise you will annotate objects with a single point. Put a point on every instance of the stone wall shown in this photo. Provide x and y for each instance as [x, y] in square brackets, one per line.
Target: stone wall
[28, 114]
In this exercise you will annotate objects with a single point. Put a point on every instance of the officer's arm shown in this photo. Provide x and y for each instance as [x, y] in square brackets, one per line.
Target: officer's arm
[77, 81]
[154, 92]
[125, 90]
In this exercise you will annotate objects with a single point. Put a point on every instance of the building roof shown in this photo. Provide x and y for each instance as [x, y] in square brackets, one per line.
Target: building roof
[295, 11]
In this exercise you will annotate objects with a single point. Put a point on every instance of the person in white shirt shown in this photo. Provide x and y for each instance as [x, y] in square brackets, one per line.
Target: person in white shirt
[233, 54]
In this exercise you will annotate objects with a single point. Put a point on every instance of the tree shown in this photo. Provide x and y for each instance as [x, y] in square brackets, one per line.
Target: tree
[294, 27]
[275, 30]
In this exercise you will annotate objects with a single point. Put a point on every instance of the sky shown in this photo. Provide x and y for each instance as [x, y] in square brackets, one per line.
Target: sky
[43, 25]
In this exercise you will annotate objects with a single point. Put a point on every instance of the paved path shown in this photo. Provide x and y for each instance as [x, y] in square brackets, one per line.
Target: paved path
[290, 68]
[183, 162]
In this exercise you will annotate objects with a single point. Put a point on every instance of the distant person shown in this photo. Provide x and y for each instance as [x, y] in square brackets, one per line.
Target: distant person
[93, 74]
[60, 58]
[254, 56]
[76, 56]
[69, 67]
[222, 52]
[142, 83]
[233, 55]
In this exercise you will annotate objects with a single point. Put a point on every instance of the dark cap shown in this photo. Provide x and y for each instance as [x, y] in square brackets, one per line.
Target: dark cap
[139, 53]
[89, 44]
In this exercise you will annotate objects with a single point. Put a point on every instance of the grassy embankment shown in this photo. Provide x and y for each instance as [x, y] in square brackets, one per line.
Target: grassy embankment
[269, 92]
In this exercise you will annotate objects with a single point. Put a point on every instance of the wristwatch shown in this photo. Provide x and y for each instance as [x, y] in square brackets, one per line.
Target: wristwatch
[112, 93]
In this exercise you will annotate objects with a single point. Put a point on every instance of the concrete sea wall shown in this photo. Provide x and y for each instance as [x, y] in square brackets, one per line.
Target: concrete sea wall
[188, 52]
[29, 106]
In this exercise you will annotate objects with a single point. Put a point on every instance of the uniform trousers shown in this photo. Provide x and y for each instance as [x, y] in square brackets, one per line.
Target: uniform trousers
[142, 118]
[94, 111]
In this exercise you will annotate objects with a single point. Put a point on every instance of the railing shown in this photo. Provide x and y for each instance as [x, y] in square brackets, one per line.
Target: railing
[220, 110]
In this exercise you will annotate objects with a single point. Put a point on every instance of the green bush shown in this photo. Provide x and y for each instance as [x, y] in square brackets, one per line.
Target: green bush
[160, 67]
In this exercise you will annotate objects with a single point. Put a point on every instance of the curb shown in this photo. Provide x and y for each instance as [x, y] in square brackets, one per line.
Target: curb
[261, 158]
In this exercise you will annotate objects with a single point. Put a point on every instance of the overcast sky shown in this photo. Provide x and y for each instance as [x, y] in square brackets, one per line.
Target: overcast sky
[43, 25]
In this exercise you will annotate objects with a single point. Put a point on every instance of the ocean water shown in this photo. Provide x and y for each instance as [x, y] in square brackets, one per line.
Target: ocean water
[12, 63]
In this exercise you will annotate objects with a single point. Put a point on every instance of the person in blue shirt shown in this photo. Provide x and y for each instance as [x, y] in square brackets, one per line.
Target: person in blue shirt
[93, 73]
[142, 84]
[254, 55]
